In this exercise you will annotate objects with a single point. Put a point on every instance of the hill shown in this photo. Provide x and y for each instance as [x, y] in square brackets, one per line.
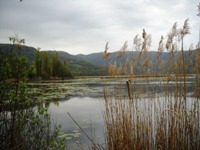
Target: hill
[28, 51]
[75, 64]
[93, 64]
[96, 59]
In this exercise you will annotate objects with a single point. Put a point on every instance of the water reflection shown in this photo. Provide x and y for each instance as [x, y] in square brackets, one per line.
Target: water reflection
[83, 99]
[86, 111]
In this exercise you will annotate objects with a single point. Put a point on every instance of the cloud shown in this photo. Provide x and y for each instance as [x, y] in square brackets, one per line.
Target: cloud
[85, 26]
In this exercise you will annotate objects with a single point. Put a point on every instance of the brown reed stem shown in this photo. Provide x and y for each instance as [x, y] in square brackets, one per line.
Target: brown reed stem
[82, 130]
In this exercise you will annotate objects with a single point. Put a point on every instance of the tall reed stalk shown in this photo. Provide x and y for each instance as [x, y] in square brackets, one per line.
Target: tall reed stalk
[137, 114]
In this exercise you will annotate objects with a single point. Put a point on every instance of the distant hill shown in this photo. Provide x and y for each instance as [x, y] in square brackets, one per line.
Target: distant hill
[78, 65]
[28, 51]
[96, 58]
[93, 64]
[75, 64]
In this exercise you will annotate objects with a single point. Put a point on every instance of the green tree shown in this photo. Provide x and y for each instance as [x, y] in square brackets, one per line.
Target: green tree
[38, 62]
[46, 64]
[59, 69]
[21, 126]
[55, 64]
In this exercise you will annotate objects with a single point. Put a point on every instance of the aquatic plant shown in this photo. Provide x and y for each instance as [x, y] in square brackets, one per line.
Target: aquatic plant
[138, 116]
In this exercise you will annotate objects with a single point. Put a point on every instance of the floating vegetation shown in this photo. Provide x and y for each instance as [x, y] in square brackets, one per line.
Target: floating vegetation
[69, 136]
[50, 90]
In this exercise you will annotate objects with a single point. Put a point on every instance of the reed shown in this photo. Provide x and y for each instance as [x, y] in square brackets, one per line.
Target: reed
[138, 115]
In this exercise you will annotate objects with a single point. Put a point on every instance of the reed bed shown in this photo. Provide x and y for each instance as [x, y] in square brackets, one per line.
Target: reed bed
[151, 121]
[144, 114]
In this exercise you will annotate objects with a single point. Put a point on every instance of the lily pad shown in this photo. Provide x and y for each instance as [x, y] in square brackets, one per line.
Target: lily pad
[77, 135]
[62, 136]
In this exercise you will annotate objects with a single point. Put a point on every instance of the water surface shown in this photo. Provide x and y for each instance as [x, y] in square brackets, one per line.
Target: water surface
[83, 99]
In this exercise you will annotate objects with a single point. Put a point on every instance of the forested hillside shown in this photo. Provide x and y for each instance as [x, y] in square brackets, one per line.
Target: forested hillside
[74, 65]
[95, 64]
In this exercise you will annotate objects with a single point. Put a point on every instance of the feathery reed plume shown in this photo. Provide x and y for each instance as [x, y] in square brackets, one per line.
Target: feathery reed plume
[106, 55]
[149, 40]
[190, 49]
[174, 47]
[137, 43]
[144, 43]
[106, 47]
[112, 69]
[144, 34]
[171, 36]
[122, 50]
[169, 42]
[161, 46]
[179, 35]
[186, 28]
[174, 30]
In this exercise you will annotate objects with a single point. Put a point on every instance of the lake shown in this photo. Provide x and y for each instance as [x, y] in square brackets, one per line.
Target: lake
[83, 99]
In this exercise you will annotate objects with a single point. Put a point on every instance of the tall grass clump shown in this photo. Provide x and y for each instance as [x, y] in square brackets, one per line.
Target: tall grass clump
[153, 105]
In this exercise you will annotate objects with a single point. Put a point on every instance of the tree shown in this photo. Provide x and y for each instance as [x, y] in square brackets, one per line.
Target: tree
[46, 64]
[62, 70]
[59, 69]
[21, 126]
[54, 64]
[38, 62]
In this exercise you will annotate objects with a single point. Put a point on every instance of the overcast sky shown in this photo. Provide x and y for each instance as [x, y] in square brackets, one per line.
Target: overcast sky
[84, 26]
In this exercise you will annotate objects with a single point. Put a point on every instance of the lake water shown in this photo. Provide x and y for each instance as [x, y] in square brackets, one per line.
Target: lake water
[83, 99]
[87, 112]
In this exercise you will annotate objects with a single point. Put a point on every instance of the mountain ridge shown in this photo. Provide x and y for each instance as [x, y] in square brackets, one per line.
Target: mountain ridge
[94, 64]
[75, 64]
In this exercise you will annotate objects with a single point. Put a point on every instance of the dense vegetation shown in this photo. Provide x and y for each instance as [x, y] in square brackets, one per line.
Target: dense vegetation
[46, 67]
[70, 64]
[142, 117]
[21, 125]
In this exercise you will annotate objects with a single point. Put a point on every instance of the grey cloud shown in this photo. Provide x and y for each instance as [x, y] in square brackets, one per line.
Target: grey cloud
[84, 26]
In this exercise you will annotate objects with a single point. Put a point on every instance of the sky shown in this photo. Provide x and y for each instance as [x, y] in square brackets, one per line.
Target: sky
[85, 26]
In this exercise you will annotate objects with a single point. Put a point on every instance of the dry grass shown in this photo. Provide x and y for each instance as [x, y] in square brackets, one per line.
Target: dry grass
[141, 117]
[150, 122]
